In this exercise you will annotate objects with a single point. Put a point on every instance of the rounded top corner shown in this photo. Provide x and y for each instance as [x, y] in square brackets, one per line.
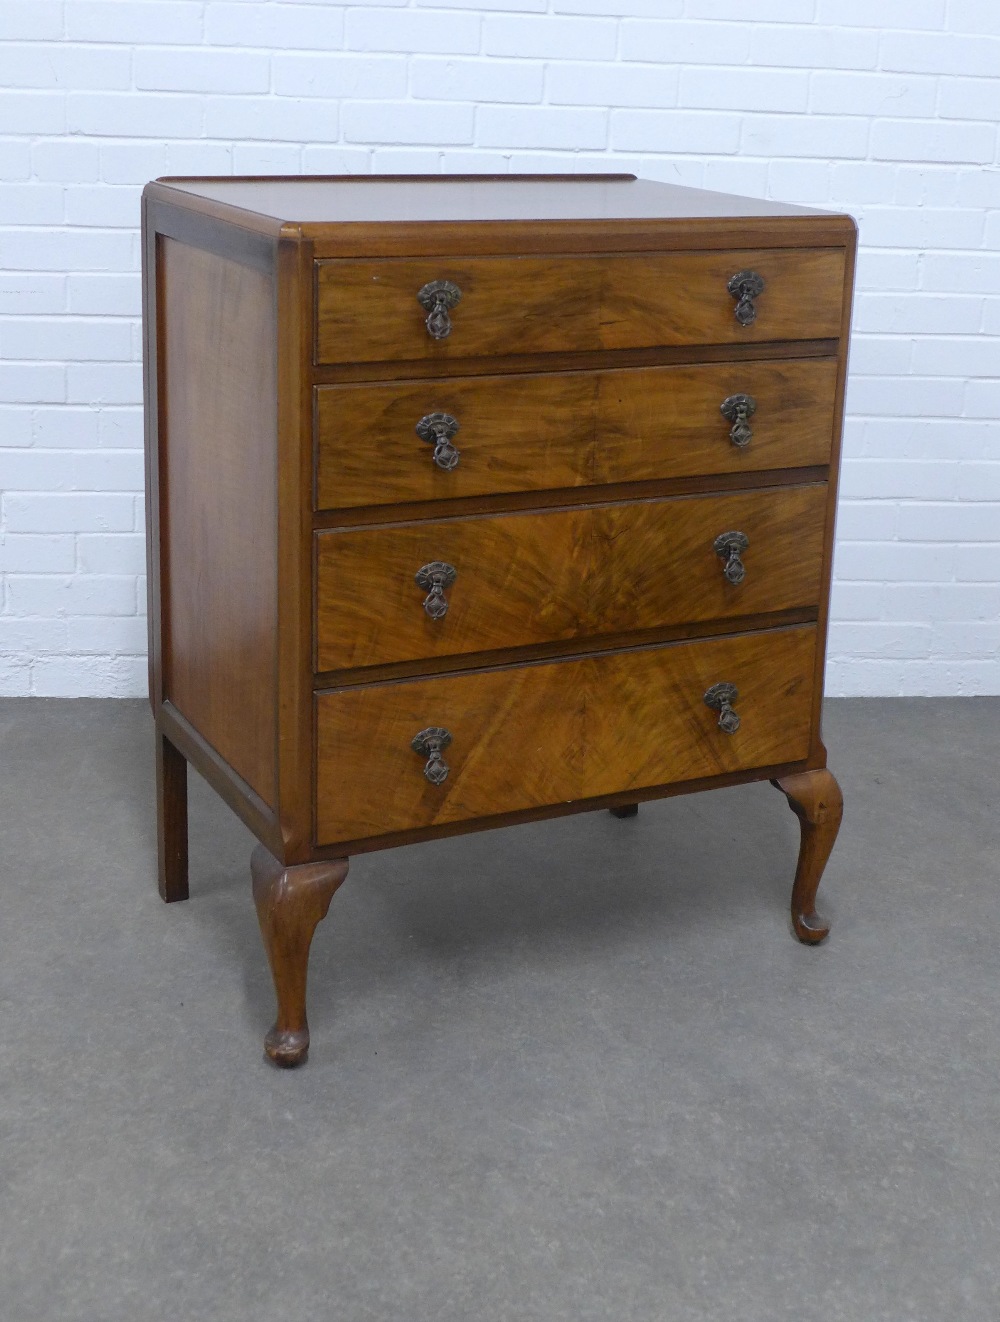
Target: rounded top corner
[850, 224]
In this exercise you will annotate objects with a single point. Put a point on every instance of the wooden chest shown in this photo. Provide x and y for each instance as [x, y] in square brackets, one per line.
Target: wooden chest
[473, 501]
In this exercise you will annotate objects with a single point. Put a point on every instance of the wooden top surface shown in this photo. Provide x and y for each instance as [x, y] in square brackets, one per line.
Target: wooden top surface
[392, 199]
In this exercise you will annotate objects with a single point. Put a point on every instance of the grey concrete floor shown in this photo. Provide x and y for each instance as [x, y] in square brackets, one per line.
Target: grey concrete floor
[571, 1071]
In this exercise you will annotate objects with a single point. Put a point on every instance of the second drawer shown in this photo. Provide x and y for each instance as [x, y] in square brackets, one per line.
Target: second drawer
[487, 435]
[512, 580]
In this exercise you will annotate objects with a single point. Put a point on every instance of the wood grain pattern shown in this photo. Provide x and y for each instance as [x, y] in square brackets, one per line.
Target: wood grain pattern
[263, 821]
[369, 844]
[574, 573]
[218, 505]
[290, 903]
[365, 516]
[592, 360]
[368, 311]
[421, 667]
[557, 731]
[542, 432]
[816, 800]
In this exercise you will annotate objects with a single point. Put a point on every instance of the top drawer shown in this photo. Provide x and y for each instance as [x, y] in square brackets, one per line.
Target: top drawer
[369, 311]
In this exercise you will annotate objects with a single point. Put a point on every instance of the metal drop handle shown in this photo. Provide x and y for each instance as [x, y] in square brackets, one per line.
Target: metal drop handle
[438, 429]
[720, 697]
[739, 409]
[437, 298]
[745, 286]
[434, 578]
[429, 743]
[729, 546]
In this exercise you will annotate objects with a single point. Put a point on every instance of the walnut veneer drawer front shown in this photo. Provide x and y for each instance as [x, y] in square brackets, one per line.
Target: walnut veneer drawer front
[368, 311]
[474, 436]
[515, 579]
[558, 731]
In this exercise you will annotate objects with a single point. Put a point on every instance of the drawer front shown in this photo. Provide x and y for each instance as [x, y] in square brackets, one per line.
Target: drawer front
[574, 573]
[368, 311]
[567, 429]
[558, 731]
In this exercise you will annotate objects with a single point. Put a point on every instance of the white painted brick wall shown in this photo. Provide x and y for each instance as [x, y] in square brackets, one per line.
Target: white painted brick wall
[884, 108]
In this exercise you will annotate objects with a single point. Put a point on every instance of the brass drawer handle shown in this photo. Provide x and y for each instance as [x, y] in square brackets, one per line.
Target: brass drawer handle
[437, 298]
[434, 578]
[730, 546]
[438, 429]
[720, 697]
[745, 286]
[429, 743]
[739, 409]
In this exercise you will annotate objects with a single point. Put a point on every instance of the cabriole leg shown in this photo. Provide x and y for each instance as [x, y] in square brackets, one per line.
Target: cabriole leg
[815, 798]
[171, 820]
[291, 902]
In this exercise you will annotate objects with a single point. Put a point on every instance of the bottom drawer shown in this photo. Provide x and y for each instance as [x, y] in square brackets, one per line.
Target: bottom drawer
[556, 731]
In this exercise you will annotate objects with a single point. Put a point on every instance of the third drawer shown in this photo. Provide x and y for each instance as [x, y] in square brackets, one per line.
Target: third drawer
[448, 587]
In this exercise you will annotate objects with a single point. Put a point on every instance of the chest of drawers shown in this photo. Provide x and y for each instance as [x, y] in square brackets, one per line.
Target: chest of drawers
[473, 501]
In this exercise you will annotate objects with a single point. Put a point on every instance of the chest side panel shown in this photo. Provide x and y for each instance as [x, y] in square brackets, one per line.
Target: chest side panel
[217, 488]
